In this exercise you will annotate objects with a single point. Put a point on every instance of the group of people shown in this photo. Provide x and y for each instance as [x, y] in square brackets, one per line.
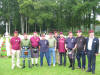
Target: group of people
[56, 46]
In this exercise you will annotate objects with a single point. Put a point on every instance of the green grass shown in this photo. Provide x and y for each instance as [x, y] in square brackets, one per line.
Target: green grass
[5, 69]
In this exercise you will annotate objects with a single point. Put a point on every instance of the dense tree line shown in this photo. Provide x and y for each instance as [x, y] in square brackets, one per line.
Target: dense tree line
[48, 15]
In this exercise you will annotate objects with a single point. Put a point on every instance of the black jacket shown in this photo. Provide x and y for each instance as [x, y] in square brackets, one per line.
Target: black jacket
[95, 45]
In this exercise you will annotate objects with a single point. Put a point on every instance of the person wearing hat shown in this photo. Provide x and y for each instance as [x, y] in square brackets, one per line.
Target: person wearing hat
[15, 47]
[26, 52]
[44, 49]
[56, 36]
[92, 47]
[52, 48]
[61, 48]
[35, 48]
[81, 44]
[70, 46]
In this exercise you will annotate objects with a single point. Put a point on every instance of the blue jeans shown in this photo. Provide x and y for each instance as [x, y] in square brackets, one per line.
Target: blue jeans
[42, 55]
[52, 53]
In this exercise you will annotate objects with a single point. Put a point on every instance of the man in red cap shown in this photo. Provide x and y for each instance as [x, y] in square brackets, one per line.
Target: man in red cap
[35, 48]
[56, 36]
[92, 47]
[81, 44]
[61, 48]
[15, 47]
[70, 46]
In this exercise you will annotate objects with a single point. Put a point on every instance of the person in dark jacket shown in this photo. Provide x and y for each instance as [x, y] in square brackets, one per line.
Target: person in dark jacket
[70, 46]
[44, 50]
[92, 47]
[81, 44]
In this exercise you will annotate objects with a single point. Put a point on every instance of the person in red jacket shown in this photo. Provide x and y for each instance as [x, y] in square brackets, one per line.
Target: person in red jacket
[61, 48]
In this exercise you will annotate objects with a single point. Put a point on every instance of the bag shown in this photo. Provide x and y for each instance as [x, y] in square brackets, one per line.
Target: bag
[26, 52]
[35, 50]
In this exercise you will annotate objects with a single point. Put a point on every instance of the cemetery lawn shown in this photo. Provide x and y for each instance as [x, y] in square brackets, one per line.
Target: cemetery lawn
[5, 69]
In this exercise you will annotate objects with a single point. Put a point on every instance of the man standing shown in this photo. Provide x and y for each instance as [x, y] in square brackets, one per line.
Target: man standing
[61, 48]
[35, 48]
[70, 46]
[15, 48]
[26, 52]
[52, 48]
[57, 52]
[92, 47]
[44, 50]
[81, 44]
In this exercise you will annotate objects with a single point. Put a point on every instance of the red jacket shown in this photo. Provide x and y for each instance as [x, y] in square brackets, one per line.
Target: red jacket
[61, 45]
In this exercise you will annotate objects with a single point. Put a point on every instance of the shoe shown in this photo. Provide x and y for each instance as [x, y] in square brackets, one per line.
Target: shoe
[13, 66]
[93, 72]
[64, 64]
[70, 66]
[36, 65]
[73, 68]
[23, 67]
[78, 67]
[83, 69]
[54, 65]
[32, 65]
[19, 66]
[41, 65]
[88, 71]
[60, 64]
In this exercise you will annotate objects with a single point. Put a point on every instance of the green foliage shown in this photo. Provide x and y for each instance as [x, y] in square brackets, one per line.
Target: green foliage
[61, 15]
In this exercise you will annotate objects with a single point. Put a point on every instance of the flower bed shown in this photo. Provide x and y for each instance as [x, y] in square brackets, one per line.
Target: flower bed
[3, 49]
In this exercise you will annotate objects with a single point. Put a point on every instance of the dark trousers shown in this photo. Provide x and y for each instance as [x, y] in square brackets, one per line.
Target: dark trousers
[91, 61]
[41, 57]
[71, 59]
[63, 54]
[79, 55]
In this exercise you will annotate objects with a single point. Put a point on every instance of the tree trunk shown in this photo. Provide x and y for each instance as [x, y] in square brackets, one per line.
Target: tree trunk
[9, 27]
[22, 24]
[40, 29]
[26, 24]
[94, 18]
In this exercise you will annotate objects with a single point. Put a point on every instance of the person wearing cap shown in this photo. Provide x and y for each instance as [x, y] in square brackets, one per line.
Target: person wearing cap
[61, 48]
[92, 47]
[70, 46]
[81, 44]
[44, 49]
[15, 47]
[35, 48]
[52, 48]
[26, 52]
[56, 36]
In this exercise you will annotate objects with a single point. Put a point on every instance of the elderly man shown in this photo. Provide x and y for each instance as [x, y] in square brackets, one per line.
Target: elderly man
[70, 45]
[56, 36]
[44, 50]
[35, 48]
[81, 44]
[52, 48]
[15, 47]
[26, 52]
[92, 47]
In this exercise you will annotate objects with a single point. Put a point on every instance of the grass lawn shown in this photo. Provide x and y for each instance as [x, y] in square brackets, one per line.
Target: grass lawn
[5, 69]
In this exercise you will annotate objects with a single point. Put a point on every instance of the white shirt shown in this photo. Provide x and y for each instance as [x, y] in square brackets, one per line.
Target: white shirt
[90, 43]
